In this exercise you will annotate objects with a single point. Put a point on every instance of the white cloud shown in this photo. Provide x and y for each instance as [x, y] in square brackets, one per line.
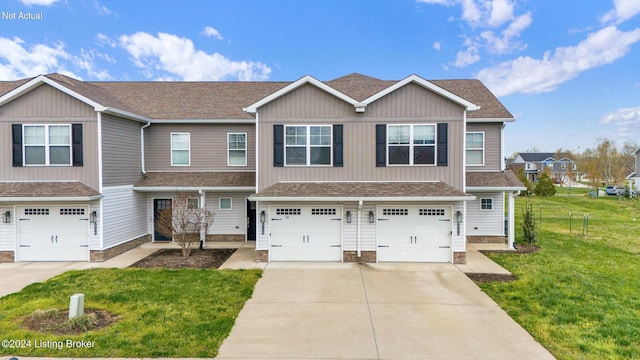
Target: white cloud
[467, 57]
[38, 2]
[211, 32]
[168, 56]
[501, 12]
[506, 42]
[623, 10]
[437, 46]
[626, 121]
[530, 76]
[471, 12]
[102, 9]
[17, 61]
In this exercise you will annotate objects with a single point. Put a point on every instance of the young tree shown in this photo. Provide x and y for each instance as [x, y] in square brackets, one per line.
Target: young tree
[184, 223]
[529, 224]
[545, 186]
[522, 175]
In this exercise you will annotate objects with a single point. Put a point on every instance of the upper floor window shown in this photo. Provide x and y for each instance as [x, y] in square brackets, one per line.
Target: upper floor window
[307, 145]
[411, 144]
[180, 149]
[47, 144]
[475, 148]
[237, 149]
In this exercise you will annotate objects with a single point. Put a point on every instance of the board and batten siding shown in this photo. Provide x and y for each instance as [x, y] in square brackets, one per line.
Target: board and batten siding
[208, 146]
[413, 100]
[492, 145]
[486, 222]
[45, 102]
[121, 159]
[359, 158]
[86, 174]
[124, 215]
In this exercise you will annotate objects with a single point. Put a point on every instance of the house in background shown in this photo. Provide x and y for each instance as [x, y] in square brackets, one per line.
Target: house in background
[352, 169]
[560, 166]
[633, 179]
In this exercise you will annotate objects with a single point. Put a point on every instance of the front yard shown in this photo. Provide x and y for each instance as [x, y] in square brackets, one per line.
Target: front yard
[162, 313]
[580, 295]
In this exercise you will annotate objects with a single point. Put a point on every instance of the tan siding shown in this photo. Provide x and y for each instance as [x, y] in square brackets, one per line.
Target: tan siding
[492, 145]
[121, 164]
[46, 102]
[413, 101]
[307, 101]
[87, 174]
[208, 146]
[359, 160]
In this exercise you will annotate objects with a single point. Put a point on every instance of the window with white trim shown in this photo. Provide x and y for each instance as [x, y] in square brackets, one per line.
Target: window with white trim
[193, 203]
[237, 149]
[475, 148]
[225, 204]
[486, 204]
[411, 144]
[307, 145]
[180, 149]
[47, 144]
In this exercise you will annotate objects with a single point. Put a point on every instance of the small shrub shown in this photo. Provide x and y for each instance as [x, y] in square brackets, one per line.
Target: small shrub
[529, 225]
[80, 323]
[545, 186]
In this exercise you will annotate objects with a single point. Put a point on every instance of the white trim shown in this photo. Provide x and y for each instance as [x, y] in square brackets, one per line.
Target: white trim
[246, 148]
[495, 188]
[253, 108]
[489, 203]
[469, 106]
[490, 120]
[50, 199]
[192, 188]
[230, 203]
[502, 157]
[188, 149]
[308, 145]
[202, 121]
[411, 144]
[125, 114]
[47, 144]
[475, 149]
[357, 198]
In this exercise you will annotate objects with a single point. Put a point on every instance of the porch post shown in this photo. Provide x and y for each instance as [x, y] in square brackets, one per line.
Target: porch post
[203, 231]
[512, 226]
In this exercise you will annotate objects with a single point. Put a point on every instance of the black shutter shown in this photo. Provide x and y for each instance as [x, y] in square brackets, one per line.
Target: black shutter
[381, 145]
[16, 135]
[443, 155]
[76, 144]
[278, 145]
[337, 145]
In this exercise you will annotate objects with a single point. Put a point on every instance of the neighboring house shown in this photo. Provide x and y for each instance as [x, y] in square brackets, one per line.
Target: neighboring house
[634, 177]
[353, 169]
[560, 166]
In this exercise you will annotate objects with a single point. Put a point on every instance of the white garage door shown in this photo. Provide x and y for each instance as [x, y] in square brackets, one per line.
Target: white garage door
[414, 233]
[53, 233]
[305, 233]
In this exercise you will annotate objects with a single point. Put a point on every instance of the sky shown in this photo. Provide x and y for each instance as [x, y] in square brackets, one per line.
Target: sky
[569, 70]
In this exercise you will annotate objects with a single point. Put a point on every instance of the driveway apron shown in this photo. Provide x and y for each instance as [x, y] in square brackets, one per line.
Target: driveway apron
[374, 311]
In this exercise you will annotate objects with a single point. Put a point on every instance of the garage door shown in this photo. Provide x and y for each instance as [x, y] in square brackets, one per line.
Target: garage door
[51, 233]
[414, 233]
[305, 233]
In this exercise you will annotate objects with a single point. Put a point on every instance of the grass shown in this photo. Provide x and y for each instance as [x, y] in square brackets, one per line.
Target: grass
[163, 313]
[580, 295]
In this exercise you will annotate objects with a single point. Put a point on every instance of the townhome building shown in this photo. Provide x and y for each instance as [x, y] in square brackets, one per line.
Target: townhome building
[352, 169]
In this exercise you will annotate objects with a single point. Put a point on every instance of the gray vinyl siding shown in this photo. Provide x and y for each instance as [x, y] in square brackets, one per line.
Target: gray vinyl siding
[46, 102]
[359, 158]
[86, 174]
[307, 101]
[208, 146]
[124, 215]
[413, 101]
[121, 159]
[7, 232]
[486, 222]
[492, 145]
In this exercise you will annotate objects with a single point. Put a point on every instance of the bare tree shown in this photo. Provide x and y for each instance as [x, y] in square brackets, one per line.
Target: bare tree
[606, 163]
[184, 223]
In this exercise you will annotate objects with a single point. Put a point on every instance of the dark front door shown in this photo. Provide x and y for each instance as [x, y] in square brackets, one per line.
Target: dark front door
[251, 220]
[159, 205]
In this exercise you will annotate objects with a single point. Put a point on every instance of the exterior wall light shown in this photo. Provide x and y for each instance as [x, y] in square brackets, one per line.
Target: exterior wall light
[263, 217]
[372, 217]
[93, 218]
[6, 217]
[458, 220]
[348, 217]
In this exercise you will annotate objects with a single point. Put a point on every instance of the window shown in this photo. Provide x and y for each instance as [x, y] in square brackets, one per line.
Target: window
[180, 149]
[288, 211]
[308, 145]
[411, 144]
[47, 144]
[193, 203]
[475, 148]
[237, 149]
[225, 204]
[486, 204]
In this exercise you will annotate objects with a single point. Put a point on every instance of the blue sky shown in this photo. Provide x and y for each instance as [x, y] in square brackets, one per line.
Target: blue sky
[568, 70]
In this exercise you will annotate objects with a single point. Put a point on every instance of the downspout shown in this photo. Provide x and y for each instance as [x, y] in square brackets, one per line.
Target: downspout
[142, 168]
[359, 252]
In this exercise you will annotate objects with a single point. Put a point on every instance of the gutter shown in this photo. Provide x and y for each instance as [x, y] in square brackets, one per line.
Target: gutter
[144, 171]
[194, 188]
[51, 199]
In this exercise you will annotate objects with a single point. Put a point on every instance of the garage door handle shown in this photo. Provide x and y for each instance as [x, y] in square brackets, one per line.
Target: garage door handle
[25, 245]
[383, 245]
[444, 247]
[337, 219]
[276, 245]
[383, 219]
[84, 245]
[335, 245]
[21, 219]
[444, 220]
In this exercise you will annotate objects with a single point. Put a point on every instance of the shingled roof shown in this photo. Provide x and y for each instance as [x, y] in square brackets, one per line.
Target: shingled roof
[226, 100]
[504, 180]
[43, 190]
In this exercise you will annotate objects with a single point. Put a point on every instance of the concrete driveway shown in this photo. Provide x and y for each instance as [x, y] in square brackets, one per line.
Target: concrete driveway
[376, 311]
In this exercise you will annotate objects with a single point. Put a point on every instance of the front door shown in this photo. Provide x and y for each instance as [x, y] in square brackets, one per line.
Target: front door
[159, 205]
[251, 220]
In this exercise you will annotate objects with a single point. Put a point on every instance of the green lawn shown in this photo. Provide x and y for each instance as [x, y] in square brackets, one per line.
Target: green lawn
[579, 296]
[164, 313]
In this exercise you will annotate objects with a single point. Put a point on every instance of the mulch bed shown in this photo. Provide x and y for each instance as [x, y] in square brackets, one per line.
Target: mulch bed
[57, 322]
[173, 259]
